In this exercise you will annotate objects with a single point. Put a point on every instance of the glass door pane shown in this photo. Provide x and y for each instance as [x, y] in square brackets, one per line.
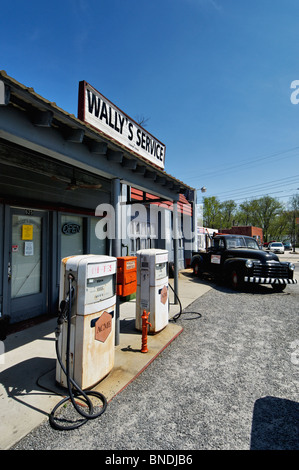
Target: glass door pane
[26, 255]
[71, 235]
[97, 246]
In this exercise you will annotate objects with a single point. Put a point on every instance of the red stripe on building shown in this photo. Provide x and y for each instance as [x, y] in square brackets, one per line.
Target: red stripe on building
[184, 207]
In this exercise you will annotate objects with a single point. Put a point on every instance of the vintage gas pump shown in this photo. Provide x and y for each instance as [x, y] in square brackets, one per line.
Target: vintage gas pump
[90, 282]
[152, 288]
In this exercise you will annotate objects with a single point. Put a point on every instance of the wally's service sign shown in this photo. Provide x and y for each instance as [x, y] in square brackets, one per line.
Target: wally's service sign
[100, 113]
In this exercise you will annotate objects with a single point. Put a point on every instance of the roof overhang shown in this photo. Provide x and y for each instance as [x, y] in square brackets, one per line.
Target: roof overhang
[29, 120]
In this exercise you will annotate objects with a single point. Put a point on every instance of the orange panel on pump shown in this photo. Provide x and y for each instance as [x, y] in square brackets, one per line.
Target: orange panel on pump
[126, 275]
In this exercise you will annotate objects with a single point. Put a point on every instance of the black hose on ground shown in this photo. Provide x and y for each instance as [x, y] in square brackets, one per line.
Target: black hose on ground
[177, 315]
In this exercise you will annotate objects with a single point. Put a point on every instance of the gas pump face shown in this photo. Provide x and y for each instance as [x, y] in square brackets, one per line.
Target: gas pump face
[161, 271]
[99, 289]
[92, 321]
[152, 288]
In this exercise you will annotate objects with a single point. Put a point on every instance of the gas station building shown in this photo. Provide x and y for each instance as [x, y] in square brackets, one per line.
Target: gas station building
[59, 176]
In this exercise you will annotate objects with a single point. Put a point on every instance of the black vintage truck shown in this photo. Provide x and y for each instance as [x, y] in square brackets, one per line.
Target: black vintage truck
[239, 260]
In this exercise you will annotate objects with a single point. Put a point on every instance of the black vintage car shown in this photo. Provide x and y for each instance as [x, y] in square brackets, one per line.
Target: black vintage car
[239, 260]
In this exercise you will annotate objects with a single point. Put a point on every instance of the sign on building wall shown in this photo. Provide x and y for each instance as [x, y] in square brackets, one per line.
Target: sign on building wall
[96, 110]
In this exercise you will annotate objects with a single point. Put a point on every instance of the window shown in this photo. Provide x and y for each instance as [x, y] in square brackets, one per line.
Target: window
[71, 235]
[97, 246]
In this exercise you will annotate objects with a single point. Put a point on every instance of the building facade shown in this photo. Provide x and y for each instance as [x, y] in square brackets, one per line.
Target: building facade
[59, 177]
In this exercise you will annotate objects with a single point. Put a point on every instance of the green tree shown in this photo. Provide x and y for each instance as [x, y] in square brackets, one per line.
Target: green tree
[227, 212]
[294, 214]
[280, 226]
[277, 221]
[247, 214]
[267, 210]
[211, 212]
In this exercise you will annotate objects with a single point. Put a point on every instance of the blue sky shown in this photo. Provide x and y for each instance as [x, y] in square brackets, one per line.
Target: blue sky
[213, 78]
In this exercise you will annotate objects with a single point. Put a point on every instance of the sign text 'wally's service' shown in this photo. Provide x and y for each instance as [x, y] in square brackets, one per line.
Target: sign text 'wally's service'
[96, 110]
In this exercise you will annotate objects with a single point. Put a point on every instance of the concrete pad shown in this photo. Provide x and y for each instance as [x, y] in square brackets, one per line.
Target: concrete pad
[189, 289]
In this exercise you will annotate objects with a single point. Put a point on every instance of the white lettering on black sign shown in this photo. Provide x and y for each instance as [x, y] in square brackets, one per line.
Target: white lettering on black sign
[99, 112]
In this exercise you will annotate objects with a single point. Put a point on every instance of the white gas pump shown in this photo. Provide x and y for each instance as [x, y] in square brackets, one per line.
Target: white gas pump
[152, 288]
[92, 328]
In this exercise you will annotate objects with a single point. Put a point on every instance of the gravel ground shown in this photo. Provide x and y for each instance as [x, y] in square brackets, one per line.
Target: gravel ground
[230, 381]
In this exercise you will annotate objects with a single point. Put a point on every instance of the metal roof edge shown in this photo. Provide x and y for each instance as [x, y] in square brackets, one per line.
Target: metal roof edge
[10, 81]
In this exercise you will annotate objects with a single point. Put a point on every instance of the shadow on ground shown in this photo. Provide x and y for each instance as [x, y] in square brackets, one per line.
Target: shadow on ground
[275, 424]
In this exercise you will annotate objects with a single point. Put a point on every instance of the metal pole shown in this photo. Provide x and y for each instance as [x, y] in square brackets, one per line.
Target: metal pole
[116, 244]
[175, 251]
[194, 224]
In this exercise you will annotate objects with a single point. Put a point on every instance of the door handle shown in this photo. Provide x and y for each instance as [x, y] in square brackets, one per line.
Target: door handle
[9, 271]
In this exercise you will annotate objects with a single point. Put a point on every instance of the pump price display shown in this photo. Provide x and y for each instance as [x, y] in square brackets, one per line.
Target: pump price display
[161, 270]
[99, 288]
[100, 269]
[162, 258]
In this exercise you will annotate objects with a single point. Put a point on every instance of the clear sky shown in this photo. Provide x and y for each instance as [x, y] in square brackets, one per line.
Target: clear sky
[213, 78]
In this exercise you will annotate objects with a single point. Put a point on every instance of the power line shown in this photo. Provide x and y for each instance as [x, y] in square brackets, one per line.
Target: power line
[245, 162]
[261, 195]
[248, 193]
[261, 185]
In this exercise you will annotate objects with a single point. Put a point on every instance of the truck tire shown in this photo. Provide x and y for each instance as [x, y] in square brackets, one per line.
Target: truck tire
[235, 279]
[278, 287]
[196, 269]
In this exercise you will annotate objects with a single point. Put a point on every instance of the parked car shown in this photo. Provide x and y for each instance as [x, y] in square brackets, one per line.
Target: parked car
[287, 246]
[276, 247]
[266, 244]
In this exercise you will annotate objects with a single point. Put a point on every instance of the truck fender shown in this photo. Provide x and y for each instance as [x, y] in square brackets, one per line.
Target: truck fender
[233, 271]
[196, 258]
[231, 263]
